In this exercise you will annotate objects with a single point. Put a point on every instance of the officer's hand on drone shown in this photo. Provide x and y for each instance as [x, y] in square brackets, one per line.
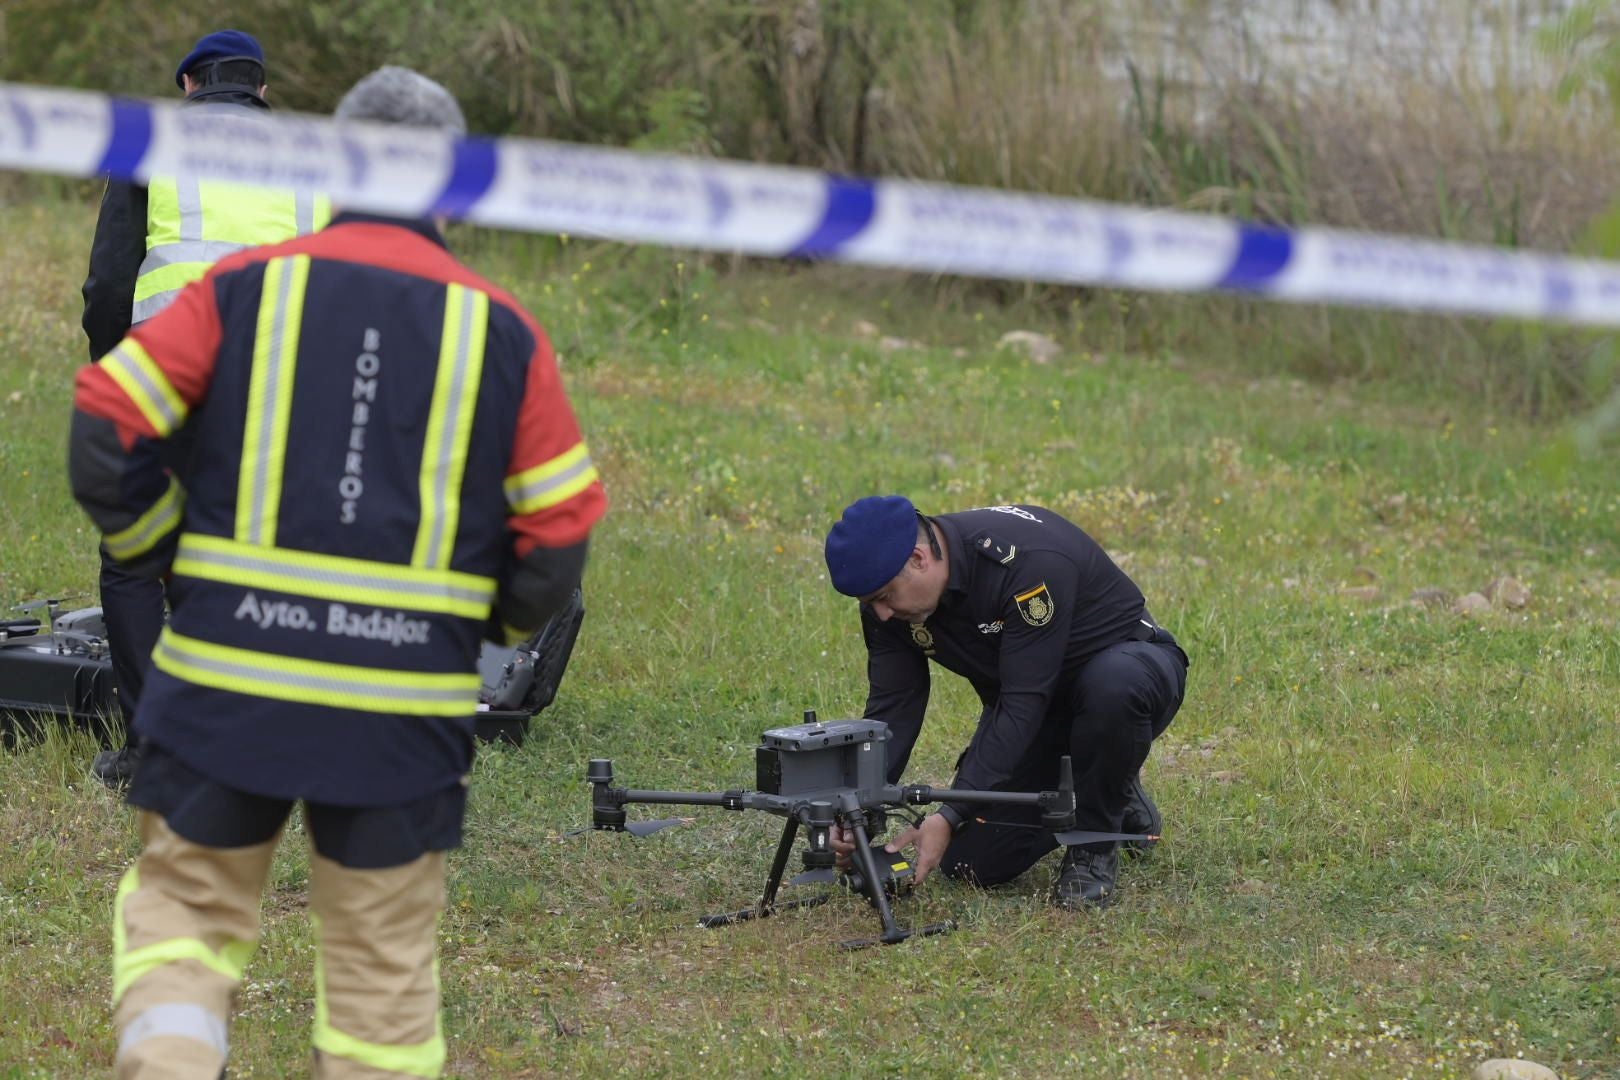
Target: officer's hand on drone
[842, 841]
[931, 837]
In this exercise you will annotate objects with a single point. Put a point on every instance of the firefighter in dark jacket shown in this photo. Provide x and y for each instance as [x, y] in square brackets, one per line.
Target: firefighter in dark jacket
[149, 244]
[386, 471]
[1057, 642]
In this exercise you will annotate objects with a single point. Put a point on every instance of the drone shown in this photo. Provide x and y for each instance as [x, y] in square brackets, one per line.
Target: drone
[819, 775]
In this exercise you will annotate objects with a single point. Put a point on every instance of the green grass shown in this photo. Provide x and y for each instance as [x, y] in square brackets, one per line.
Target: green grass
[1389, 827]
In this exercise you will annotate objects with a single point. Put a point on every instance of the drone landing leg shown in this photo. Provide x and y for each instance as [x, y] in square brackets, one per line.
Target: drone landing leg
[767, 904]
[709, 922]
[779, 865]
[893, 932]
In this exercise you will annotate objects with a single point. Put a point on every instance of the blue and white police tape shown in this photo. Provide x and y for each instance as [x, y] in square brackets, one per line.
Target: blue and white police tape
[539, 186]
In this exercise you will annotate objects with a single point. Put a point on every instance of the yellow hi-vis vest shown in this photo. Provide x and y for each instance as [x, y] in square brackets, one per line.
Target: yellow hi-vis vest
[191, 224]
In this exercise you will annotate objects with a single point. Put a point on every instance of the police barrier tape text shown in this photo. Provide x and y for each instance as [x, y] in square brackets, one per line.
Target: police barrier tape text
[537, 186]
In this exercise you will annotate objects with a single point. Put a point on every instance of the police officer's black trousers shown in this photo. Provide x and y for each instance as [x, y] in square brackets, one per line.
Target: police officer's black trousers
[1121, 701]
[132, 608]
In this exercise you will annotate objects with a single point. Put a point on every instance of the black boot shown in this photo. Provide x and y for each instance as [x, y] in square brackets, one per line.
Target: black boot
[116, 768]
[1087, 879]
[1141, 816]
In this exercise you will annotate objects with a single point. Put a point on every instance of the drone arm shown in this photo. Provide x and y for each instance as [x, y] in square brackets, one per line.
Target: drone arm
[918, 794]
[1057, 807]
[730, 800]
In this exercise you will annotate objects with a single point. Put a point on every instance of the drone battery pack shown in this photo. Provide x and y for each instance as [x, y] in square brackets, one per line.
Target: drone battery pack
[811, 758]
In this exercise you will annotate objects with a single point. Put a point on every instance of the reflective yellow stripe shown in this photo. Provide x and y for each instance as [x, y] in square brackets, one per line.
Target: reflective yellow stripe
[551, 482]
[132, 369]
[129, 965]
[334, 577]
[449, 429]
[269, 406]
[315, 682]
[513, 635]
[126, 885]
[162, 518]
[413, 1059]
[162, 213]
[170, 277]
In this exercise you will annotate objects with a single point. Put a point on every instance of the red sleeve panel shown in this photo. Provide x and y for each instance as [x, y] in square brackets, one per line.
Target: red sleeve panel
[142, 390]
[552, 486]
[149, 382]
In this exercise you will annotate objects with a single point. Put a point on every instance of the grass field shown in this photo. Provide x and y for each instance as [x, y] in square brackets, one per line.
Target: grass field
[1390, 827]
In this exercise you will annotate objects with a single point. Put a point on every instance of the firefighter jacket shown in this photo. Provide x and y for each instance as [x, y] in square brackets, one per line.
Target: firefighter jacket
[152, 241]
[384, 455]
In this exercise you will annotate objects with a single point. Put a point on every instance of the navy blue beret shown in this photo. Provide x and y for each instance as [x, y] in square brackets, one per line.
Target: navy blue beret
[220, 45]
[870, 544]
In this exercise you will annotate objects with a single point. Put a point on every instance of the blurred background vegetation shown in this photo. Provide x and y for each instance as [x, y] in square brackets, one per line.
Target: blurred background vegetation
[1482, 121]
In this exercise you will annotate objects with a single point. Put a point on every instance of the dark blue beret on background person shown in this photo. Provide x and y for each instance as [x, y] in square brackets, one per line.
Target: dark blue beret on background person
[869, 545]
[220, 45]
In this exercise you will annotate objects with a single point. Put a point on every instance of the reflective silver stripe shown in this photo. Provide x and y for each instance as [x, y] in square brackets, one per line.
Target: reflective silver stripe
[271, 367]
[333, 578]
[179, 1020]
[189, 251]
[272, 392]
[149, 307]
[202, 252]
[304, 212]
[537, 488]
[379, 686]
[189, 195]
[156, 395]
[453, 435]
[160, 519]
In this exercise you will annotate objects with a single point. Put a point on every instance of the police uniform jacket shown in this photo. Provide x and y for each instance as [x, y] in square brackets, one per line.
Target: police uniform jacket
[386, 467]
[1030, 599]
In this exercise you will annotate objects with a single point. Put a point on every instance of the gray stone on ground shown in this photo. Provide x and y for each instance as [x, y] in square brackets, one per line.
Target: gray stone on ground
[1508, 592]
[1038, 347]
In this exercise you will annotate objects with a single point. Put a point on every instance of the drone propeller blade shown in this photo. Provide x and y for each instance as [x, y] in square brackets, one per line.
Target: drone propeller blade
[647, 828]
[824, 876]
[1084, 836]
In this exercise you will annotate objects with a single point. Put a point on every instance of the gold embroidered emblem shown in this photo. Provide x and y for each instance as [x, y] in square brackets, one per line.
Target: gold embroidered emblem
[923, 637]
[1036, 605]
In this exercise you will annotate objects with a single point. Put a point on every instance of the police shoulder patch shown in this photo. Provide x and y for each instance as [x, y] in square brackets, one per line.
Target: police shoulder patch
[1035, 605]
[996, 550]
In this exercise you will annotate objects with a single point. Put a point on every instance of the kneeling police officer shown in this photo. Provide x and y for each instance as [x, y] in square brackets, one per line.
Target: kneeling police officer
[1059, 645]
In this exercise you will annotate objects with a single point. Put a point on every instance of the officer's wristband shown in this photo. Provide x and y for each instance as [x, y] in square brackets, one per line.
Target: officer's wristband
[953, 817]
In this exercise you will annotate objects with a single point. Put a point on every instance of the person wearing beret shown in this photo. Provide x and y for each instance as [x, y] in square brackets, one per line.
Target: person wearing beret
[1058, 644]
[150, 242]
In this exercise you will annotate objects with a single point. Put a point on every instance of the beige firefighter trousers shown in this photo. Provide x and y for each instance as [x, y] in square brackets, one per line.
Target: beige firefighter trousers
[187, 920]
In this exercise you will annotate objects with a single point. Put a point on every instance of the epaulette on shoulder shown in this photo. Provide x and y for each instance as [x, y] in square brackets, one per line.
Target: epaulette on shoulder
[996, 549]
